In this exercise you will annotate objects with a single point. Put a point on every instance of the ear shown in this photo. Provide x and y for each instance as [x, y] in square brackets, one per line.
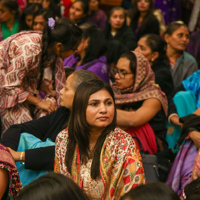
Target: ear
[166, 37]
[155, 56]
[58, 48]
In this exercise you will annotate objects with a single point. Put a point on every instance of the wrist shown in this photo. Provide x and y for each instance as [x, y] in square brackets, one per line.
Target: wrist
[22, 157]
[38, 102]
[170, 117]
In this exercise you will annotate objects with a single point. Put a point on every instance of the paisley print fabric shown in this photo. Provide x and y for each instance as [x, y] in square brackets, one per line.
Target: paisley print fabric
[120, 165]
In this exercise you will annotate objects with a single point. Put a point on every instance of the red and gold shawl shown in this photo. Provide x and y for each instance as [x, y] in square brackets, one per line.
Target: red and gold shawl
[121, 166]
[144, 86]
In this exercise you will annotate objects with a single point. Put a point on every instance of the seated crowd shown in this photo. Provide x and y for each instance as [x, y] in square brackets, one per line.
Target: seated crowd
[86, 95]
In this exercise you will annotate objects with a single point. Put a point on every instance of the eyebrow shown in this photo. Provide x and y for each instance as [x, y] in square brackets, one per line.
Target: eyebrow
[99, 100]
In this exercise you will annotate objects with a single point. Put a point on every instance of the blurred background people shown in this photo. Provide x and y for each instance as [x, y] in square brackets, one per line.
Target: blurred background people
[90, 54]
[9, 18]
[116, 29]
[142, 20]
[182, 63]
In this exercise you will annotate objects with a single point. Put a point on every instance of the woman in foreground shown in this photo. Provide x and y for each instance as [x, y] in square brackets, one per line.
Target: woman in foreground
[100, 158]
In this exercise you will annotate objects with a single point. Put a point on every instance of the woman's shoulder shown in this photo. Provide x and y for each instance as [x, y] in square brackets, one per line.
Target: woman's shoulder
[69, 61]
[188, 56]
[121, 139]
[62, 136]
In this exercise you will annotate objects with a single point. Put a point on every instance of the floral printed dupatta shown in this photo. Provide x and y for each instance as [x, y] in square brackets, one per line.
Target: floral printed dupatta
[120, 164]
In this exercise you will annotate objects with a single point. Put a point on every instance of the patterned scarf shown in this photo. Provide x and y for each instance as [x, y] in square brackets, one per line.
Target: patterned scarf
[144, 86]
[7, 162]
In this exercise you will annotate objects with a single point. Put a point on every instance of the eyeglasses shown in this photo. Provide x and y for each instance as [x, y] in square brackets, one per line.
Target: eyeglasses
[121, 73]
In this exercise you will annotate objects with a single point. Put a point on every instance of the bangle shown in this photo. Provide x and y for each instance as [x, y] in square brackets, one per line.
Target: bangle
[169, 118]
[21, 158]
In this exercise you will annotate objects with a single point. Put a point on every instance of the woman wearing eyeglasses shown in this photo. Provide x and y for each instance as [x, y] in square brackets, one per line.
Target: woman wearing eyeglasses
[142, 106]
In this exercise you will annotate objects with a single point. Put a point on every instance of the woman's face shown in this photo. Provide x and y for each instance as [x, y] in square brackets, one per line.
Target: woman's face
[144, 49]
[100, 110]
[76, 12]
[124, 78]
[179, 39]
[46, 3]
[117, 19]
[67, 93]
[5, 14]
[29, 20]
[143, 5]
[39, 23]
[83, 45]
[93, 4]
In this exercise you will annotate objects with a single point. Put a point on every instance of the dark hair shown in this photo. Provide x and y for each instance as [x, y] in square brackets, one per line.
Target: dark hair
[30, 9]
[79, 129]
[114, 50]
[135, 14]
[45, 12]
[192, 190]
[151, 191]
[97, 44]
[130, 56]
[157, 44]
[54, 7]
[85, 5]
[173, 26]
[65, 32]
[107, 30]
[12, 6]
[52, 186]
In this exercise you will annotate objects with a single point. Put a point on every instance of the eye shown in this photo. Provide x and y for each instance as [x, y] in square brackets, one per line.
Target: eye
[109, 103]
[93, 104]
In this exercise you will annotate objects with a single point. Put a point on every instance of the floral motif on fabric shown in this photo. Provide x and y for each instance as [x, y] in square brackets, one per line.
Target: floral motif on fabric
[120, 163]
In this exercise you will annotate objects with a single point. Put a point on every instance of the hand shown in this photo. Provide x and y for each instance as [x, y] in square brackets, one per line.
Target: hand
[15, 154]
[51, 93]
[47, 105]
[195, 137]
[175, 120]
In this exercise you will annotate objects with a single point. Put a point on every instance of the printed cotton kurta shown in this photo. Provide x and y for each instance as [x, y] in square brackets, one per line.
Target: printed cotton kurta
[20, 57]
[120, 165]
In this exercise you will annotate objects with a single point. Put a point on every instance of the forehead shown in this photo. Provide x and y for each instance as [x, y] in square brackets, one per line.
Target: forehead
[142, 41]
[39, 18]
[69, 80]
[182, 29]
[117, 12]
[100, 95]
[78, 4]
[123, 63]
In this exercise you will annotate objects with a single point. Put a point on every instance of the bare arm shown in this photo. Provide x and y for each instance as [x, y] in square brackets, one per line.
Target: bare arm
[141, 116]
[46, 105]
[3, 181]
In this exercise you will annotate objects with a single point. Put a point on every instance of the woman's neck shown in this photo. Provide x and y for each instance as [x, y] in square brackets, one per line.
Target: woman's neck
[113, 30]
[82, 55]
[142, 14]
[172, 54]
[94, 135]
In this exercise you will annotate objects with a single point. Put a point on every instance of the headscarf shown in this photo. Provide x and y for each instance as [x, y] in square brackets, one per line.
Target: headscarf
[144, 85]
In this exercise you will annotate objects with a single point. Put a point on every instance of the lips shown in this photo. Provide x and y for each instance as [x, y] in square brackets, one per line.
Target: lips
[103, 118]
